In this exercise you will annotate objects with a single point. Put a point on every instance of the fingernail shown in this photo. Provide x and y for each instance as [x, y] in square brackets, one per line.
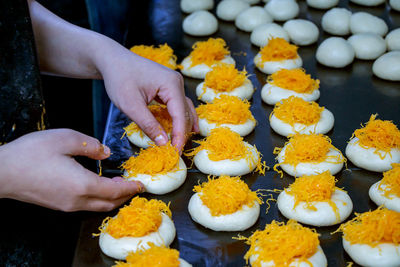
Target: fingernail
[106, 150]
[160, 140]
[140, 187]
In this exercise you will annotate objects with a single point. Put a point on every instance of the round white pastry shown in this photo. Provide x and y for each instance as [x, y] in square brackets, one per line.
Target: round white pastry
[225, 167]
[243, 129]
[229, 9]
[364, 22]
[395, 4]
[368, 2]
[272, 94]
[383, 255]
[322, 4]
[118, 248]
[200, 23]
[270, 67]
[199, 71]
[335, 52]
[262, 33]
[282, 10]
[301, 31]
[324, 125]
[367, 45]
[367, 159]
[140, 139]
[237, 221]
[393, 39]
[183, 263]
[387, 66]
[252, 17]
[189, 6]
[245, 91]
[161, 183]
[336, 21]
[378, 196]
[324, 214]
[309, 168]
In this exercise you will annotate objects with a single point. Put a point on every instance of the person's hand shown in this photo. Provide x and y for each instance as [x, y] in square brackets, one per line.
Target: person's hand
[38, 168]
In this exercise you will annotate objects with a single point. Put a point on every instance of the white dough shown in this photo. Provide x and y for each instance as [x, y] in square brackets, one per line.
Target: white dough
[225, 167]
[262, 33]
[322, 4]
[367, 45]
[367, 159]
[378, 196]
[242, 129]
[189, 6]
[387, 66]
[252, 17]
[364, 22]
[200, 23]
[245, 91]
[324, 125]
[161, 183]
[237, 221]
[323, 216]
[282, 10]
[183, 263]
[335, 52]
[393, 39]
[336, 21]
[140, 139]
[199, 71]
[383, 255]
[270, 67]
[301, 31]
[229, 9]
[395, 4]
[118, 248]
[272, 94]
[368, 2]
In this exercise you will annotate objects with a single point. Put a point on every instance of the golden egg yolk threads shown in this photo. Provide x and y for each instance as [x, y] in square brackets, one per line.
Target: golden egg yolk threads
[163, 54]
[278, 49]
[390, 183]
[224, 78]
[209, 52]
[296, 80]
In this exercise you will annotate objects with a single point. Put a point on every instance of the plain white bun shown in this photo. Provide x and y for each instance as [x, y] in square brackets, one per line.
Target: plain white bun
[237, 221]
[368, 159]
[367, 45]
[387, 66]
[335, 52]
[272, 94]
[364, 22]
[199, 71]
[243, 129]
[270, 67]
[245, 91]
[282, 10]
[161, 183]
[336, 21]
[252, 17]
[301, 31]
[378, 196]
[200, 23]
[225, 167]
[393, 39]
[368, 2]
[118, 248]
[262, 33]
[395, 4]
[322, 4]
[189, 6]
[383, 255]
[229, 9]
[324, 125]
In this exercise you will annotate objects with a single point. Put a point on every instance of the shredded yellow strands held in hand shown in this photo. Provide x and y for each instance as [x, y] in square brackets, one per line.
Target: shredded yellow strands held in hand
[224, 78]
[296, 80]
[373, 228]
[294, 110]
[378, 134]
[282, 244]
[209, 52]
[226, 195]
[141, 217]
[163, 54]
[226, 110]
[390, 182]
[153, 160]
[154, 256]
[278, 49]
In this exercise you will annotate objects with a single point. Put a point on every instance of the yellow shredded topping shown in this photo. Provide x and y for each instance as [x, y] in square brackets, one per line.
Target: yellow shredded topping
[278, 49]
[373, 228]
[378, 134]
[226, 109]
[224, 78]
[141, 217]
[163, 54]
[296, 80]
[390, 182]
[209, 52]
[226, 195]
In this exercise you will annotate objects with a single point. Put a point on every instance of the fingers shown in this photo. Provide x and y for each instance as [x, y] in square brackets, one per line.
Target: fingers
[195, 126]
[113, 189]
[95, 204]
